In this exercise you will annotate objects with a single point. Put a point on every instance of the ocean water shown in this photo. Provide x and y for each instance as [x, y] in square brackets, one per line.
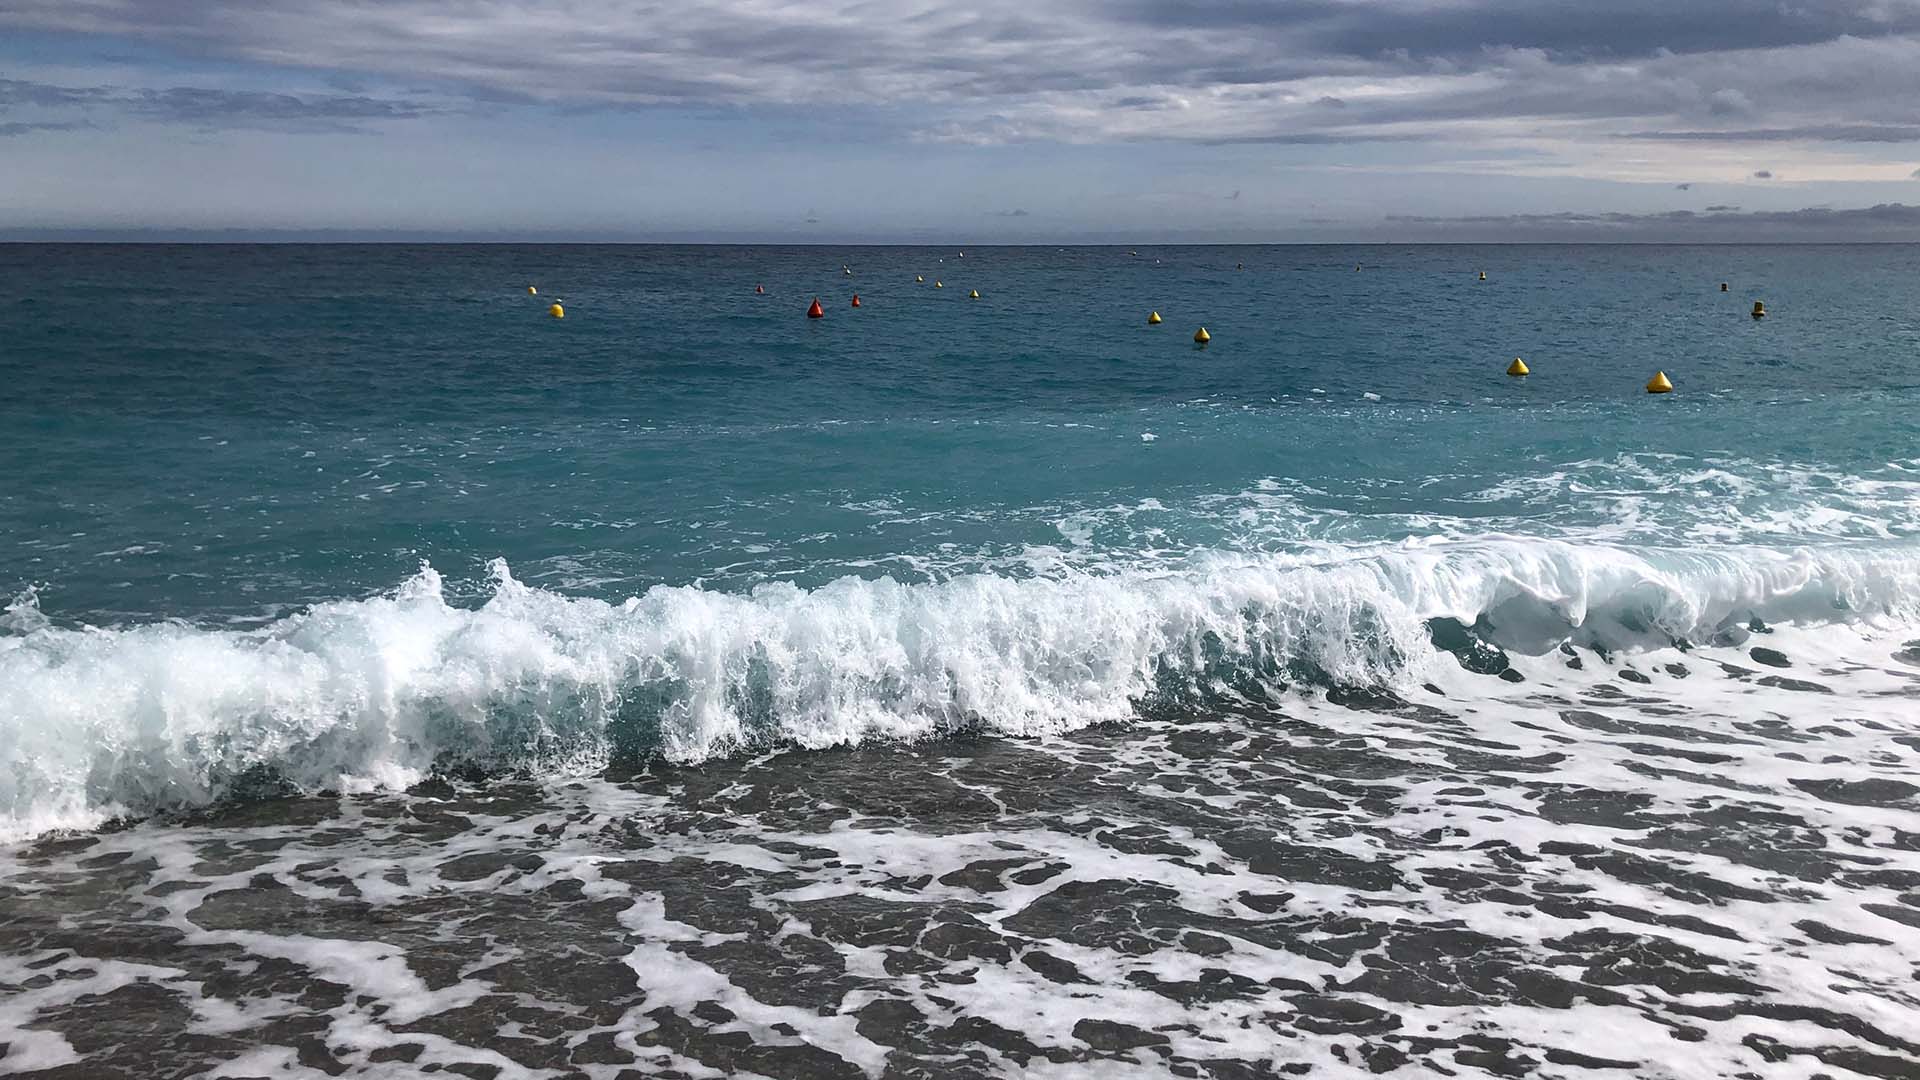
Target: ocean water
[398, 680]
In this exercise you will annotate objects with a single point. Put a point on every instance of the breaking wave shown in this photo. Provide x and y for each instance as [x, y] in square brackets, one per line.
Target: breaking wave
[380, 692]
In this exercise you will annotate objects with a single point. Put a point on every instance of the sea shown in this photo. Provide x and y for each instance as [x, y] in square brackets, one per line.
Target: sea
[399, 680]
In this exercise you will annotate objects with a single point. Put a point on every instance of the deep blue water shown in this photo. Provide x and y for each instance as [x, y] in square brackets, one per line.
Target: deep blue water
[212, 432]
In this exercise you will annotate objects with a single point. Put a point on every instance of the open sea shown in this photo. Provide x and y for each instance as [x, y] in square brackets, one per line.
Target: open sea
[397, 681]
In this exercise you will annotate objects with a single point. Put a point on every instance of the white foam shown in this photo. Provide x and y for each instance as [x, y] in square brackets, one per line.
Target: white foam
[368, 693]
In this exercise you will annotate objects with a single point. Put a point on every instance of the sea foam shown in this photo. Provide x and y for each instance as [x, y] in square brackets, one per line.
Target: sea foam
[378, 692]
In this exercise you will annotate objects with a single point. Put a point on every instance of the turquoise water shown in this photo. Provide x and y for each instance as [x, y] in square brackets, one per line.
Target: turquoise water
[338, 507]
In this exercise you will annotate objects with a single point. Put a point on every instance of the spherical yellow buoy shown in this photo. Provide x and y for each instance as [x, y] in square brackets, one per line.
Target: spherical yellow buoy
[1759, 309]
[1201, 337]
[557, 311]
[1660, 384]
[531, 291]
[974, 295]
[1518, 368]
[1153, 319]
[1483, 275]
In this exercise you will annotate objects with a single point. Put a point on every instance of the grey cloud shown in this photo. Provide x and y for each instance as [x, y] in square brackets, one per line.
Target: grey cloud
[9, 130]
[1886, 221]
[211, 108]
[1308, 73]
[1858, 133]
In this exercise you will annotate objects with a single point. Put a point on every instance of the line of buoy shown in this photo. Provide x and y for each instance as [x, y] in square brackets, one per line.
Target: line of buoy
[856, 299]
[557, 311]
[759, 290]
[974, 294]
[1518, 368]
[816, 311]
[1483, 275]
[1759, 309]
[1153, 318]
[939, 285]
[531, 291]
[1723, 286]
[1201, 337]
[1659, 384]
[919, 280]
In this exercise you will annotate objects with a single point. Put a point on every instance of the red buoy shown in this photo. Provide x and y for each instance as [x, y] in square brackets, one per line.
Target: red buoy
[760, 290]
[856, 299]
[816, 311]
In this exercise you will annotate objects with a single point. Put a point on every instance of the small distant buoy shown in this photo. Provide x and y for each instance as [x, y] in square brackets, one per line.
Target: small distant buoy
[1759, 309]
[1483, 275]
[1153, 318]
[847, 270]
[1239, 266]
[856, 299]
[1518, 368]
[1723, 286]
[816, 311]
[1201, 337]
[1660, 384]
[974, 294]
[759, 290]
[939, 285]
[557, 311]
[531, 291]
[919, 279]
[963, 254]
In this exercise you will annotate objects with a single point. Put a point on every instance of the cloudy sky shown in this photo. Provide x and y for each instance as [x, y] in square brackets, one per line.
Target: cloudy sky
[987, 120]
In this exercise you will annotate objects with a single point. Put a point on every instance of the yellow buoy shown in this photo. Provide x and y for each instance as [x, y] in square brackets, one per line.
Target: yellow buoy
[939, 285]
[1518, 367]
[1483, 275]
[1153, 319]
[1659, 384]
[974, 295]
[1759, 309]
[557, 311]
[531, 291]
[1201, 337]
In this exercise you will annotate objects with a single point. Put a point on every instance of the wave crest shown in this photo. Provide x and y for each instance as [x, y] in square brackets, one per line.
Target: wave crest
[380, 691]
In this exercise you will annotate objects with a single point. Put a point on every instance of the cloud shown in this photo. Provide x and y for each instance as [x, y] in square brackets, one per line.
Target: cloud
[1858, 133]
[8, 130]
[1304, 74]
[1886, 221]
[1763, 174]
[1728, 103]
[212, 108]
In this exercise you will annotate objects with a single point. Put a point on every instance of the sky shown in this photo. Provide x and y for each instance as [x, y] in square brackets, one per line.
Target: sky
[1129, 121]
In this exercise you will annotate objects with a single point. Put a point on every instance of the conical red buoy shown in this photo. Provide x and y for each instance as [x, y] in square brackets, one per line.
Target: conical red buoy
[760, 290]
[856, 299]
[816, 311]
